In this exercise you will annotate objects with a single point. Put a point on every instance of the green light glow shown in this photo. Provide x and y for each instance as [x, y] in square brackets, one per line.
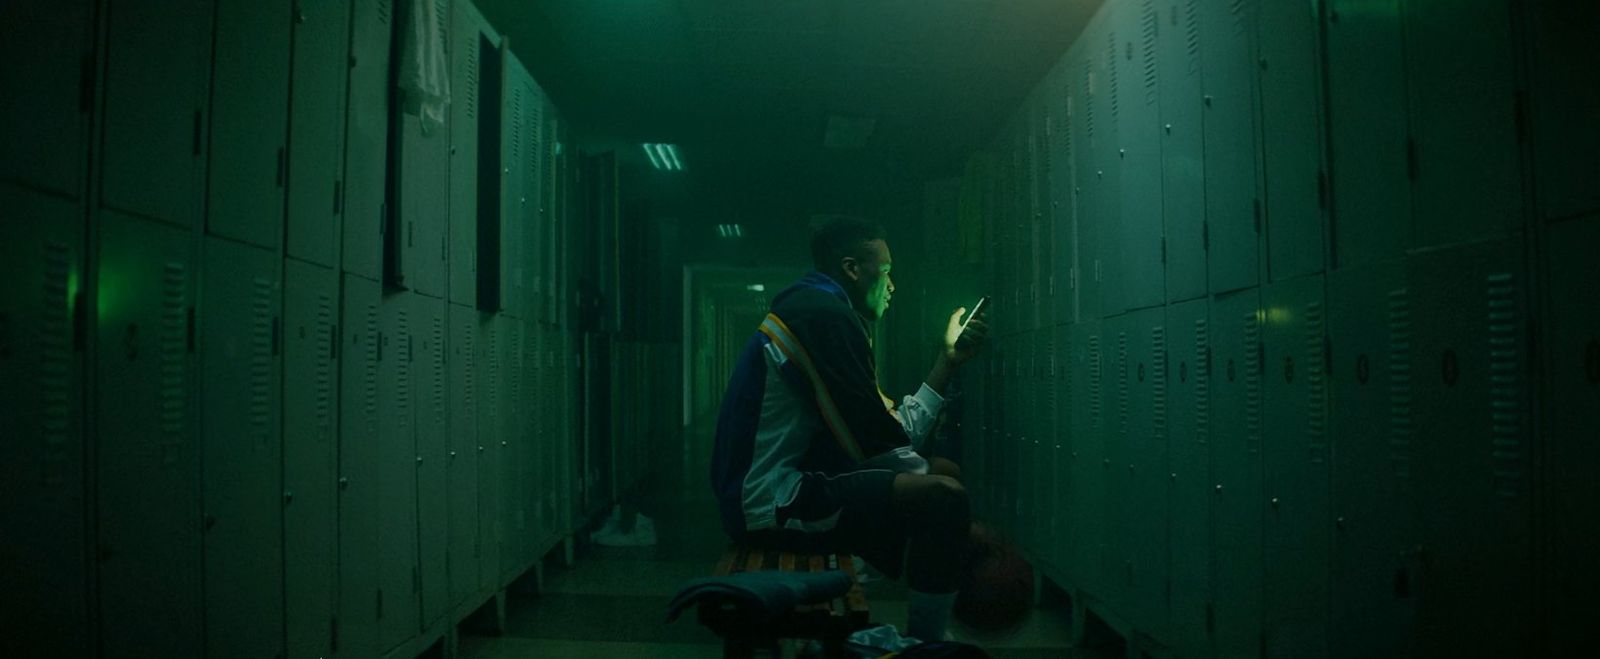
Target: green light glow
[672, 152]
[649, 151]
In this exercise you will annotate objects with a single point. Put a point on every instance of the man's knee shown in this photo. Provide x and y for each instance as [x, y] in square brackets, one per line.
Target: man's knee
[934, 502]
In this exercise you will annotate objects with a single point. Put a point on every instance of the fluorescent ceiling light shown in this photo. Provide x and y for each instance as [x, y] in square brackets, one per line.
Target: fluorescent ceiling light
[663, 156]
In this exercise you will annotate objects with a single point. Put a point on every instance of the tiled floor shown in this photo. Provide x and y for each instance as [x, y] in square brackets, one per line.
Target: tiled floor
[612, 603]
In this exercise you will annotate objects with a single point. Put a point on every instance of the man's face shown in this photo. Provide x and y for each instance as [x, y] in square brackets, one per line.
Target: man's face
[871, 286]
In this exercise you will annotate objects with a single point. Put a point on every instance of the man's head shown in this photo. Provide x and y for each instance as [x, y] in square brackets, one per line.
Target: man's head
[854, 253]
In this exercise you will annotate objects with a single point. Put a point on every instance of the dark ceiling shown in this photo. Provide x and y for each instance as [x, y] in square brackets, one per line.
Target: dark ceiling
[746, 90]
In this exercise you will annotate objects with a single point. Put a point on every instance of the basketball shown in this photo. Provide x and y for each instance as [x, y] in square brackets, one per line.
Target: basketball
[997, 593]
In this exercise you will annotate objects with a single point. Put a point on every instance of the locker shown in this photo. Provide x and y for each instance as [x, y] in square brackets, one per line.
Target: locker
[514, 539]
[398, 569]
[1295, 463]
[1564, 66]
[1236, 507]
[547, 206]
[1228, 130]
[1473, 456]
[241, 407]
[249, 121]
[547, 425]
[316, 130]
[1063, 526]
[1117, 524]
[41, 410]
[1063, 199]
[433, 428]
[1044, 452]
[44, 139]
[1087, 493]
[361, 331]
[1043, 225]
[1459, 63]
[1182, 159]
[1370, 180]
[423, 196]
[468, 34]
[310, 455]
[1291, 144]
[462, 468]
[366, 212]
[491, 357]
[1370, 328]
[1136, 111]
[1145, 471]
[156, 91]
[1572, 363]
[148, 463]
[1108, 164]
[1189, 494]
[514, 192]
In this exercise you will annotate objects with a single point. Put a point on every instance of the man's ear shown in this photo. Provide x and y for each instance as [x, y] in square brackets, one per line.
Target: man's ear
[851, 267]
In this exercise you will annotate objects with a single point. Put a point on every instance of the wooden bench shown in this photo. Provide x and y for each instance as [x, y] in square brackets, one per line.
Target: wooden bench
[829, 623]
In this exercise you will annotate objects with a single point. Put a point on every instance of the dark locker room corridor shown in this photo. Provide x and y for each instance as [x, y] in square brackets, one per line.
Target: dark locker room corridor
[401, 328]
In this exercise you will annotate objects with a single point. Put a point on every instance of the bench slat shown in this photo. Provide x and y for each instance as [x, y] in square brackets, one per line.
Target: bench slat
[855, 599]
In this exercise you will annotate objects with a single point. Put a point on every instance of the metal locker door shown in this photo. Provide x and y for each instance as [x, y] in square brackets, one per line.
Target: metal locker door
[1236, 505]
[1572, 363]
[1087, 216]
[1370, 321]
[461, 473]
[1461, 63]
[1564, 66]
[361, 331]
[1062, 531]
[1182, 162]
[1368, 148]
[433, 459]
[1063, 206]
[48, 44]
[1137, 114]
[491, 356]
[249, 121]
[423, 196]
[513, 448]
[42, 480]
[240, 404]
[1045, 156]
[1291, 138]
[466, 40]
[316, 136]
[1111, 270]
[1044, 443]
[1233, 211]
[1019, 453]
[1295, 459]
[310, 455]
[1474, 456]
[1087, 492]
[367, 138]
[1189, 495]
[1118, 521]
[513, 190]
[148, 552]
[1145, 472]
[157, 74]
[398, 578]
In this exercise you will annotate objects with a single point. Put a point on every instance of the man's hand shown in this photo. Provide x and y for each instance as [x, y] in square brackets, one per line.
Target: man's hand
[961, 346]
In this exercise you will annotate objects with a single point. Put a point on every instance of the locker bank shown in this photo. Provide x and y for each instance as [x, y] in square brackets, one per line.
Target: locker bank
[346, 328]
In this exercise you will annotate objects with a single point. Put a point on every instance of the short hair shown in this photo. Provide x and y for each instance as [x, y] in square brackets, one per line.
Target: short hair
[834, 237]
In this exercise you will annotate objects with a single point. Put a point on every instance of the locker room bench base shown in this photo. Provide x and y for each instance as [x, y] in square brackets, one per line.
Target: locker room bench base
[828, 623]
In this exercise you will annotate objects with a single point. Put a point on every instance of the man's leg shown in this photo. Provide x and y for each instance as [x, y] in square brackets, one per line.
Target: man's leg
[938, 466]
[938, 519]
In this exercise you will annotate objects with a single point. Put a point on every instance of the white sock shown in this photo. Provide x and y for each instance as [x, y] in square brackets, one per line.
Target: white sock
[928, 614]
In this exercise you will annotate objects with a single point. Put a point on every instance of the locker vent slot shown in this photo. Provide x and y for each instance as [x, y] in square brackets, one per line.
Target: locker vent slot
[1252, 382]
[516, 125]
[1094, 382]
[436, 354]
[472, 76]
[469, 384]
[174, 350]
[1202, 382]
[492, 384]
[1241, 22]
[1505, 400]
[1122, 385]
[55, 368]
[370, 376]
[1148, 30]
[1316, 385]
[1158, 377]
[1400, 330]
[384, 9]
[324, 368]
[1066, 125]
[1192, 34]
[402, 354]
[261, 360]
[1088, 93]
[1111, 72]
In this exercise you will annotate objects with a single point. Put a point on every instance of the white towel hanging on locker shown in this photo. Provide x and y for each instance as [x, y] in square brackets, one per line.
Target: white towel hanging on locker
[424, 64]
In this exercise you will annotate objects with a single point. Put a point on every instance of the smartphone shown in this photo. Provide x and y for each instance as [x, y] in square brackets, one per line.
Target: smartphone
[980, 307]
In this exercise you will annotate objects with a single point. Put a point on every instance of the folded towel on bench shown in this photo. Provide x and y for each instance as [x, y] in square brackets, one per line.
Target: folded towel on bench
[760, 598]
